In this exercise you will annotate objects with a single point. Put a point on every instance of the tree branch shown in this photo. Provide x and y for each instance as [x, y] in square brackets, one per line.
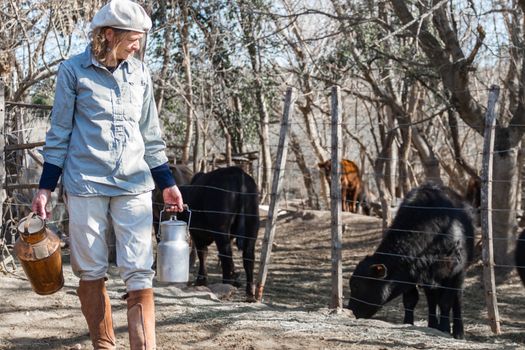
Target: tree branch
[454, 75]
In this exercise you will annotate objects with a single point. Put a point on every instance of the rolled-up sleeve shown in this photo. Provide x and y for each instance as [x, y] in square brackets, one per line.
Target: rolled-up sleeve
[58, 135]
[155, 147]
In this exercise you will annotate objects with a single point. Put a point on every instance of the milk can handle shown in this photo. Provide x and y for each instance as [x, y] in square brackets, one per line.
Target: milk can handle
[184, 206]
[28, 219]
[26, 224]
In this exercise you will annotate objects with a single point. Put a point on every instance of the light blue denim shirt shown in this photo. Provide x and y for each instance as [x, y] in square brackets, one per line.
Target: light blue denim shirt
[105, 131]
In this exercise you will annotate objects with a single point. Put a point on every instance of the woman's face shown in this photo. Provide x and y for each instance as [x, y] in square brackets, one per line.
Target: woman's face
[127, 47]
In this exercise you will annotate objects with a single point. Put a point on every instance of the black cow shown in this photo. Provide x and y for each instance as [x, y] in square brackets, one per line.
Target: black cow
[520, 256]
[430, 244]
[225, 205]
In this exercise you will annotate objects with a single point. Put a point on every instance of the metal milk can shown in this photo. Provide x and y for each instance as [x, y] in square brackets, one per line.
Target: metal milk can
[173, 251]
[38, 250]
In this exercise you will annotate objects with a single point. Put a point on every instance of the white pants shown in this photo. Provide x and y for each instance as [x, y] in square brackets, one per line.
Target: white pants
[90, 221]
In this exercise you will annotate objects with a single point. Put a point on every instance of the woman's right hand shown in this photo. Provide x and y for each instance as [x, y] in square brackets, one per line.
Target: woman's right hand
[40, 202]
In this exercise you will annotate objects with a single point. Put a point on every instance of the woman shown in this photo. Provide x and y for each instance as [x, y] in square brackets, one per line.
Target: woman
[105, 141]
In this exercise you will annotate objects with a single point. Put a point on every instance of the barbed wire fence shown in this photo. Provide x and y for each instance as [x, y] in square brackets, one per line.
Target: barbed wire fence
[488, 259]
[487, 239]
[16, 209]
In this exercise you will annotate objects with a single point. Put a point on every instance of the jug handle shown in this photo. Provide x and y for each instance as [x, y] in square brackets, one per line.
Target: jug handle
[185, 206]
[160, 220]
[28, 219]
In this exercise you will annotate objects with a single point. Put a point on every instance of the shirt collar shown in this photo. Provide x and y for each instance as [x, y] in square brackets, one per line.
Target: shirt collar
[87, 58]
[131, 63]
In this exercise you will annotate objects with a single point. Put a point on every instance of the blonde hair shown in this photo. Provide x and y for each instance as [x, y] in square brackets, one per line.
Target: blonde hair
[100, 45]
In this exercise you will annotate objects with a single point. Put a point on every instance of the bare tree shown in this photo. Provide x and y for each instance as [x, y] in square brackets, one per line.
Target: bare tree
[439, 40]
[35, 38]
[249, 28]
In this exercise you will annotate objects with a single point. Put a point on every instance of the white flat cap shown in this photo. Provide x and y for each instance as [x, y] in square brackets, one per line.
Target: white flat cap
[122, 14]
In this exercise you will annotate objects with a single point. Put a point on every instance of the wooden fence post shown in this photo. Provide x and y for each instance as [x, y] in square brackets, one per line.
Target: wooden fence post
[336, 301]
[2, 152]
[278, 175]
[486, 213]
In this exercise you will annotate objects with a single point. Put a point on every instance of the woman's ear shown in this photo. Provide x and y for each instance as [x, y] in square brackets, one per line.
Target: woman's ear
[109, 33]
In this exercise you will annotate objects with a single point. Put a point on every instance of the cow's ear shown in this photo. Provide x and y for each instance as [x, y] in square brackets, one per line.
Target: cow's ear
[378, 271]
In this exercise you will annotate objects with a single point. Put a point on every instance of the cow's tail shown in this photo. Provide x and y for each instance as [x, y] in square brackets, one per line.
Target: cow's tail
[246, 223]
[240, 229]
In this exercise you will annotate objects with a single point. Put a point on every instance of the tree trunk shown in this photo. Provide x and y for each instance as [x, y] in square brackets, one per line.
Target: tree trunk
[264, 137]
[384, 195]
[166, 57]
[392, 156]
[264, 119]
[227, 142]
[504, 195]
[3, 195]
[184, 33]
[426, 153]
[313, 199]
[406, 139]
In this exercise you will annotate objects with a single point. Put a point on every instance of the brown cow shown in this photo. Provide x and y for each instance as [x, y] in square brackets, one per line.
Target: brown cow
[351, 185]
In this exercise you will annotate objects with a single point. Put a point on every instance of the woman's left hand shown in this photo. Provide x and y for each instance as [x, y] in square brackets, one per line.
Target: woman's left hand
[172, 199]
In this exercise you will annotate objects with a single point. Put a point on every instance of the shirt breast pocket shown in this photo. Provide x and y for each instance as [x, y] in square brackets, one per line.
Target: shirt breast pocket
[136, 92]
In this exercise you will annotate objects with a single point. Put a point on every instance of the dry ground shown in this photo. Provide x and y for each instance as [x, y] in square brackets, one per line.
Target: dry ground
[293, 314]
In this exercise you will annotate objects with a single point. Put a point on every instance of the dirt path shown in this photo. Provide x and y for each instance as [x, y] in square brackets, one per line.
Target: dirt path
[293, 315]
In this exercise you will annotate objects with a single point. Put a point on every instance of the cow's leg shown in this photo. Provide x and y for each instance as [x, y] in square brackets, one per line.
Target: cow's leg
[450, 299]
[202, 254]
[355, 199]
[432, 300]
[344, 198]
[226, 256]
[353, 207]
[445, 302]
[248, 259]
[410, 299]
[457, 322]
[444, 314]
[457, 319]
[193, 253]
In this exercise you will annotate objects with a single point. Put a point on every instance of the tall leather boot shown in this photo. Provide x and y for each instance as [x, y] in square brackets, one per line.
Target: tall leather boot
[141, 319]
[94, 302]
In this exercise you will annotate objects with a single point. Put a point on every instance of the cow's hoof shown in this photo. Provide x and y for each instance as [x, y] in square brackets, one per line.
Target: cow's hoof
[250, 299]
[444, 328]
[234, 283]
[459, 336]
[458, 332]
[433, 324]
[234, 280]
[201, 281]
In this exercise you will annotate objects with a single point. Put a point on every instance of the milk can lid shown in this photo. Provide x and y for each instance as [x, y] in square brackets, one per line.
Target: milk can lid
[173, 221]
[34, 223]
